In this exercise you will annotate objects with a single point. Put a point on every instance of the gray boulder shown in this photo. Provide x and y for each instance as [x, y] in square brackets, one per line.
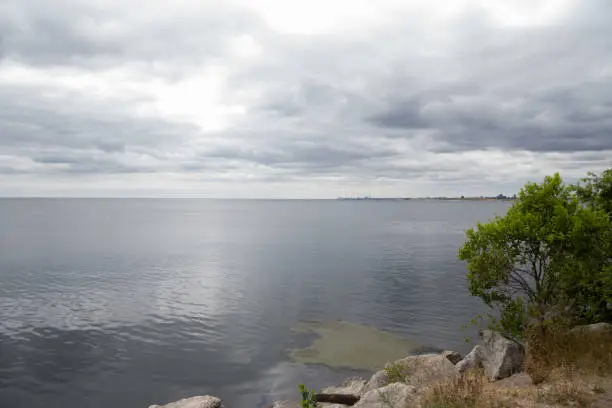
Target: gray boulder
[396, 395]
[285, 404]
[599, 328]
[413, 370]
[353, 387]
[378, 380]
[519, 380]
[499, 356]
[472, 361]
[503, 357]
[206, 401]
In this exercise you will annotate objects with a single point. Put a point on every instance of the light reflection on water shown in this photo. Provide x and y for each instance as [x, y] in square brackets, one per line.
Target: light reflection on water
[127, 303]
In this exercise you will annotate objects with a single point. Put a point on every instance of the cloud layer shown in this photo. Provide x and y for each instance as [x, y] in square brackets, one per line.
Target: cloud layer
[262, 99]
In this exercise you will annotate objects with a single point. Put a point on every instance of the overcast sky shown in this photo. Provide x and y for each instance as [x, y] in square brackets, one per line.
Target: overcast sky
[317, 98]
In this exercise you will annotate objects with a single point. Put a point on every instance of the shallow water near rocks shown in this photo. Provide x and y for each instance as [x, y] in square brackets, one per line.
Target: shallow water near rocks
[342, 344]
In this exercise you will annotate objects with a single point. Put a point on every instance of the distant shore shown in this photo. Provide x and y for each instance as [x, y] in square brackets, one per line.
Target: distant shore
[504, 198]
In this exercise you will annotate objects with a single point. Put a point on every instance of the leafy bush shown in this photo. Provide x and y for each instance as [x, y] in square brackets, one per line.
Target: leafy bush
[546, 260]
[308, 399]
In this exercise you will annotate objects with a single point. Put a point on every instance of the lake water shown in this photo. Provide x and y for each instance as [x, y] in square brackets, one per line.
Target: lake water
[126, 303]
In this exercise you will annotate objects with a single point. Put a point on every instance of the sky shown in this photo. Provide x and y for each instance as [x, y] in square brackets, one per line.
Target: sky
[301, 99]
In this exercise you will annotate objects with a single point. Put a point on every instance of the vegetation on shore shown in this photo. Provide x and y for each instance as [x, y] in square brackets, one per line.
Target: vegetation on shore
[548, 261]
[544, 268]
[307, 399]
[567, 369]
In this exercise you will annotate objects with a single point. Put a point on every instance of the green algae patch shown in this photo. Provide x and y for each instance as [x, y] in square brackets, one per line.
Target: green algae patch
[343, 344]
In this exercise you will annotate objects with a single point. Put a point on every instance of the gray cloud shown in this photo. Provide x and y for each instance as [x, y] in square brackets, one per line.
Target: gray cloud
[539, 89]
[406, 99]
[98, 35]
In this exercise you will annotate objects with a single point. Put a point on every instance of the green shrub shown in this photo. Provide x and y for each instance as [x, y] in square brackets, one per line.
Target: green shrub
[308, 399]
[547, 259]
[396, 372]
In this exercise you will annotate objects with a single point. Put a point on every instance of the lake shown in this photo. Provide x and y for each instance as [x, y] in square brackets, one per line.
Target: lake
[125, 303]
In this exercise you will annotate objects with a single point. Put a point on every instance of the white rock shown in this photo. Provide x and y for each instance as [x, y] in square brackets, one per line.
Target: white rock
[354, 387]
[285, 404]
[379, 379]
[396, 395]
[472, 360]
[499, 356]
[206, 401]
[503, 357]
[415, 370]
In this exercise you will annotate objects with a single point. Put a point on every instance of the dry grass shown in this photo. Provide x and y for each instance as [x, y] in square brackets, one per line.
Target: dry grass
[466, 391]
[565, 393]
[565, 367]
[559, 354]
[474, 391]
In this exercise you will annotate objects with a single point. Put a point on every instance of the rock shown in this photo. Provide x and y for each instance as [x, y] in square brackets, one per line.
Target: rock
[414, 370]
[285, 404]
[350, 388]
[520, 380]
[396, 395]
[499, 356]
[379, 379]
[452, 356]
[472, 361]
[599, 328]
[502, 356]
[344, 399]
[206, 401]
[354, 387]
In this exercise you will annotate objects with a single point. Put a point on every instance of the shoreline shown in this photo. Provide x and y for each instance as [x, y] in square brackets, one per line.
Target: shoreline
[494, 373]
[403, 378]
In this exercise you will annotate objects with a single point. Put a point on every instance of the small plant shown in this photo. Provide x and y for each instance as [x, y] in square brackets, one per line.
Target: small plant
[308, 399]
[396, 372]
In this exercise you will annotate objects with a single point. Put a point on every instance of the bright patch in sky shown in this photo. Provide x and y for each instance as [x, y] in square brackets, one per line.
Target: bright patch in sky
[526, 12]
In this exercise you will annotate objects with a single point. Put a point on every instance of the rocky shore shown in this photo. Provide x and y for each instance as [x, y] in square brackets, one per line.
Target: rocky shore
[402, 382]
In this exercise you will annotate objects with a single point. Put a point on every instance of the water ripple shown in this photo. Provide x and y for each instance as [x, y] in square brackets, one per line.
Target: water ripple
[127, 303]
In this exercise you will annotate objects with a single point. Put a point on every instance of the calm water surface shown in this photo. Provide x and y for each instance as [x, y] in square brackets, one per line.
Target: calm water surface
[126, 303]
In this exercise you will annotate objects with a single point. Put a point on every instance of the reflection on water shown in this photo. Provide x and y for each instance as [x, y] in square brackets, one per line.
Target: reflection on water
[349, 345]
[127, 303]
